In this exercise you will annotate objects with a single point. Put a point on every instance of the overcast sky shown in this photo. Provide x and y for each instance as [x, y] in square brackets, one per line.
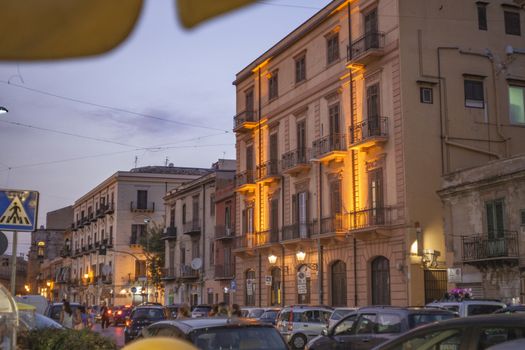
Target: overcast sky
[164, 93]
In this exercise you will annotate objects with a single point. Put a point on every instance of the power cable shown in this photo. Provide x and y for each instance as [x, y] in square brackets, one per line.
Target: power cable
[116, 109]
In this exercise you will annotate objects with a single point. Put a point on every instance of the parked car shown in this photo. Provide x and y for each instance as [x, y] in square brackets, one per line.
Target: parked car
[269, 316]
[53, 310]
[510, 309]
[469, 307]
[174, 310]
[143, 316]
[38, 301]
[467, 333]
[120, 314]
[201, 311]
[245, 311]
[220, 333]
[37, 321]
[300, 323]
[339, 313]
[370, 326]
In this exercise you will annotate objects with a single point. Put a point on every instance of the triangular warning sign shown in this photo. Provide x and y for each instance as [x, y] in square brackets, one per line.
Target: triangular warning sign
[15, 214]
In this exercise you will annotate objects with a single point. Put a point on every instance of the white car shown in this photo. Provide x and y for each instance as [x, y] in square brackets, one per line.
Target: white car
[339, 313]
[469, 307]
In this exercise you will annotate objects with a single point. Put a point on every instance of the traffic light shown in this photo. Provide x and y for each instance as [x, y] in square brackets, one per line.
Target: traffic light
[102, 250]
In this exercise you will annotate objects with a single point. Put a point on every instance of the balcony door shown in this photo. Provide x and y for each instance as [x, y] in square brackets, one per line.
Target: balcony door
[496, 245]
[301, 141]
[336, 206]
[249, 158]
[249, 105]
[338, 277]
[142, 199]
[274, 156]
[335, 127]
[302, 214]
[274, 220]
[375, 195]
[275, 293]
[371, 27]
[372, 107]
[380, 281]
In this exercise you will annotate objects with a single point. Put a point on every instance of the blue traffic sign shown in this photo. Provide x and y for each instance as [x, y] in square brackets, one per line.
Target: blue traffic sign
[233, 285]
[133, 290]
[18, 210]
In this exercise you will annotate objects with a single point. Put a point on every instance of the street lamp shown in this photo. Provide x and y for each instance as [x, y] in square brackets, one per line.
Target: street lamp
[300, 255]
[3, 110]
[272, 259]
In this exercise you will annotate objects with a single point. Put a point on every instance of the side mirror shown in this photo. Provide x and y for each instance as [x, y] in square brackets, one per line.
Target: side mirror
[324, 332]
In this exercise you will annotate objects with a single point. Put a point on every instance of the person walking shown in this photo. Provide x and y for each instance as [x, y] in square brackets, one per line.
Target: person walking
[104, 314]
[66, 315]
[77, 319]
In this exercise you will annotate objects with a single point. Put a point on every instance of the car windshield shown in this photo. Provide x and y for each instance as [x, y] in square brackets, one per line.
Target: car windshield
[269, 314]
[56, 309]
[416, 320]
[255, 313]
[202, 309]
[148, 313]
[338, 314]
[245, 338]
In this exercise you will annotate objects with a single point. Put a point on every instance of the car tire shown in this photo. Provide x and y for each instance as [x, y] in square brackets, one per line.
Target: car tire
[298, 342]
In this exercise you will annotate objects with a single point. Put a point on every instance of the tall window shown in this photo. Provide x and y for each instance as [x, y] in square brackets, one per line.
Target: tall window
[380, 281]
[301, 141]
[212, 204]
[274, 154]
[137, 233]
[300, 213]
[249, 295]
[227, 215]
[184, 213]
[195, 249]
[512, 23]
[332, 48]
[140, 268]
[195, 209]
[182, 253]
[142, 199]
[300, 69]
[371, 26]
[372, 107]
[517, 104]
[249, 103]
[273, 88]
[474, 97]
[495, 221]
[275, 295]
[212, 253]
[172, 216]
[249, 158]
[274, 220]
[482, 15]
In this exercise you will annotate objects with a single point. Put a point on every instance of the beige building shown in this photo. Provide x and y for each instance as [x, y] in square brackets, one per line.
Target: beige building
[485, 228]
[114, 216]
[344, 129]
[190, 264]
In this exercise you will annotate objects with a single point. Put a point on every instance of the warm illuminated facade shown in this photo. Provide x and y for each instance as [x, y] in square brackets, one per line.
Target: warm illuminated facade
[194, 258]
[343, 131]
[115, 215]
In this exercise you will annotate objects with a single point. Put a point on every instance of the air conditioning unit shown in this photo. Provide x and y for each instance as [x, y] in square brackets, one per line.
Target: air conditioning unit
[228, 231]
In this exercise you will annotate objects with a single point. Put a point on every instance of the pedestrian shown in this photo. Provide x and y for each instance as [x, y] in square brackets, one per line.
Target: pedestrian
[84, 316]
[90, 316]
[66, 315]
[104, 315]
[236, 310]
[222, 310]
[184, 312]
[77, 319]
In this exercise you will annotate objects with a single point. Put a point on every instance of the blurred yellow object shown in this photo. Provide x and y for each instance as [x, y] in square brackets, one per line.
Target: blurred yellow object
[55, 29]
[159, 343]
[25, 307]
[192, 12]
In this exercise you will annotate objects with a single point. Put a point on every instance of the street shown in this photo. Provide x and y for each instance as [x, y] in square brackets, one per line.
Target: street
[115, 333]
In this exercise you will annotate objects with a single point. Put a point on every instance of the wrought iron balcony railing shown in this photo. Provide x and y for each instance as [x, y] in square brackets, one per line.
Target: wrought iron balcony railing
[192, 227]
[369, 41]
[328, 144]
[297, 157]
[373, 127]
[502, 245]
[244, 117]
[142, 207]
[169, 273]
[223, 232]
[187, 272]
[370, 217]
[224, 271]
[246, 177]
[266, 237]
[268, 169]
[297, 231]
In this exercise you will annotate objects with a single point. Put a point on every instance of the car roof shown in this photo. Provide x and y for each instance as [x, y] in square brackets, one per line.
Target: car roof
[190, 324]
[148, 307]
[471, 301]
[408, 310]
[307, 307]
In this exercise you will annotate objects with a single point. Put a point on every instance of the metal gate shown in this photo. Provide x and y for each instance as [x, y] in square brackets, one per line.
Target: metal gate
[435, 285]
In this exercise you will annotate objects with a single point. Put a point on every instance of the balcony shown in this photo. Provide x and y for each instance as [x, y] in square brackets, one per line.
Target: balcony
[92, 217]
[296, 161]
[65, 252]
[224, 233]
[90, 247]
[244, 245]
[366, 49]
[108, 243]
[101, 211]
[224, 272]
[368, 133]
[296, 232]
[245, 181]
[370, 222]
[330, 147]
[266, 237]
[186, 272]
[332, 228]
[170, 233]
[268, 172]
[80, 223]
[109, 208]
[144, 207]
[192, 228]
[169, 273]
[245, 121]
[484, 250]
[74, 227]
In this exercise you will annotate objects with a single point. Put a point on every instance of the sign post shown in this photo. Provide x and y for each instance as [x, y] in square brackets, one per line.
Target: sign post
[18, 212]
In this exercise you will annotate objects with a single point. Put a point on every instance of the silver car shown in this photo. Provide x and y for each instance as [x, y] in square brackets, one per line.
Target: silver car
[339, 313]
[298, 324]
[469, 307]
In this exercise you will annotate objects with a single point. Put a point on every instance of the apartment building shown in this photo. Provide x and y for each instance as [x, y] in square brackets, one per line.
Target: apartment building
[344, 130]
[195, 270]
[107, 260]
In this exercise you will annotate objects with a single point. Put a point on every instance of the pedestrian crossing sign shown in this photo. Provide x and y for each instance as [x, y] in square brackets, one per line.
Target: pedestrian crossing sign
[18, 210]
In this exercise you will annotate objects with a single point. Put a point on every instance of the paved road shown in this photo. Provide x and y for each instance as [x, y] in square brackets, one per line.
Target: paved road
[115, 333]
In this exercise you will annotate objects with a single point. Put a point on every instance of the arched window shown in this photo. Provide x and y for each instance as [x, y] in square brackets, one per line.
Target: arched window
[338, 278]
[249, 295]
[380, 281]
[303, 285]
[275, 292]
